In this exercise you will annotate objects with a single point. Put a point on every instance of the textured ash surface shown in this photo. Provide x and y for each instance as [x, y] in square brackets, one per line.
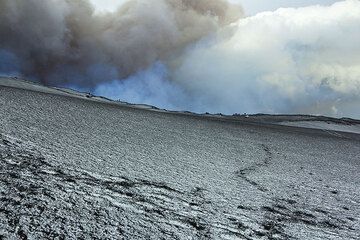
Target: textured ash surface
[72, 167]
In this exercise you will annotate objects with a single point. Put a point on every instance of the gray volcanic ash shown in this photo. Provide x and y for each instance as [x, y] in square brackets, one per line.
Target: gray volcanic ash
[73, 167]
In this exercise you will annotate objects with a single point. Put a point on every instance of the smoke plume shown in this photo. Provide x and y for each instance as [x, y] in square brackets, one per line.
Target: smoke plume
[191, 55]
[64, 42]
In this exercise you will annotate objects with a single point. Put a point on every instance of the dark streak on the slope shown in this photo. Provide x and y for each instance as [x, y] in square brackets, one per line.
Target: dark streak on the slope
[244, 172]
[55, 202]
[39, 200]
[287, 211]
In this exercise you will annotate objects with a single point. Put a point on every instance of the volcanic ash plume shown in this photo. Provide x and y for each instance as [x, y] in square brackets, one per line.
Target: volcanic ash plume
[63, 42]
[198, 55]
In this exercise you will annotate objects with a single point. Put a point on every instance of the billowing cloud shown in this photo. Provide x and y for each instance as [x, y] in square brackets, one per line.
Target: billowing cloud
[65, 42]
[191, 55]
[292, 60]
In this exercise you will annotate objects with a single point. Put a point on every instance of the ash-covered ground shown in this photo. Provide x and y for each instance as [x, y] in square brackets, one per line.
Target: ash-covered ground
[74, 166]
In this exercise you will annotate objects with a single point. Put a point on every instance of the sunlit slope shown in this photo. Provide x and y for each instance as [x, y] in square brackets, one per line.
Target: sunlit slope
[77, 166]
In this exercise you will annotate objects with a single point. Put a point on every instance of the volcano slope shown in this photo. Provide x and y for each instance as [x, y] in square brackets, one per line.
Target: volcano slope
[74, 166]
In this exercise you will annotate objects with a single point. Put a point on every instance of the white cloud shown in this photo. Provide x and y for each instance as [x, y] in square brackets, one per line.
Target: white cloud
[251, 6]
[107, 5]
[292, 60]
[255, 6]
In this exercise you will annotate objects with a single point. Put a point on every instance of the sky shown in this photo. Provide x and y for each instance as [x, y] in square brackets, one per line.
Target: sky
[251, 6]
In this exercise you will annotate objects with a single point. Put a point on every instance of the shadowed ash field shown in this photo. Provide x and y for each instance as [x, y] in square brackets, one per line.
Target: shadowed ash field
[75, 166]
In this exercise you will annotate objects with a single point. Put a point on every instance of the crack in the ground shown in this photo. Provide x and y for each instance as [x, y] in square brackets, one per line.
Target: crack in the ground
[244, 172]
